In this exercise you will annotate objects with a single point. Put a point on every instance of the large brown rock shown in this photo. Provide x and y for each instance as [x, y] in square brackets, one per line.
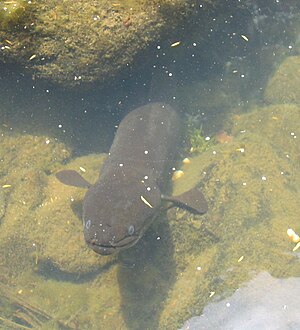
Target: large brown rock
[70, 42]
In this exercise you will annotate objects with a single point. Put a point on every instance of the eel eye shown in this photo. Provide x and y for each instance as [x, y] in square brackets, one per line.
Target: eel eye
[88, 224]
[131, 230]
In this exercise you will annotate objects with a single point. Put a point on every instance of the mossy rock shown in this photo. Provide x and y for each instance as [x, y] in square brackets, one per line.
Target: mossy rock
[283, 85]
[251, 186]
[73, 42]
[15, 14]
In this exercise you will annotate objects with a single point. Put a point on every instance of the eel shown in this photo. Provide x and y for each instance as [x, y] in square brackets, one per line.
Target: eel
[120, 206]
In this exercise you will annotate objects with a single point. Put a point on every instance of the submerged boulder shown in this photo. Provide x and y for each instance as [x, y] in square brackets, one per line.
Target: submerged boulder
[71, 42]
[283, 85]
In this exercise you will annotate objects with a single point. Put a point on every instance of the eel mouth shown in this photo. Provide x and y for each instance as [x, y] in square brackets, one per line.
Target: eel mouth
[101, 249]
[113, 247]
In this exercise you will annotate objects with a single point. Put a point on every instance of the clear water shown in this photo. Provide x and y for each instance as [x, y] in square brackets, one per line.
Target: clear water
[235, 85]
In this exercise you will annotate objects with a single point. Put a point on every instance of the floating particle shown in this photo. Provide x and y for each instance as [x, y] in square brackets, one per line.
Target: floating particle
[293, 236]
[186, 161]
[296, 247]
[146, 202]
[177, 175]
[224, 137]
[175, 44]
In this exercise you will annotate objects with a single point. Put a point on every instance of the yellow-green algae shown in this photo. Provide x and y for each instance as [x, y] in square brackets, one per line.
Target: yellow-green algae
[197, 141]
[249, 215]
[158, 283]
[283, 86]
[15, 14]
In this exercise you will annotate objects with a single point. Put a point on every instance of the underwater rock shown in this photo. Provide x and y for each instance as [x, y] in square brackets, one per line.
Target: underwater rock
[264, 303]
[251, 185]
[283, 86]
[71, 42]
[25, 162]
[2, 204]
[15, 14]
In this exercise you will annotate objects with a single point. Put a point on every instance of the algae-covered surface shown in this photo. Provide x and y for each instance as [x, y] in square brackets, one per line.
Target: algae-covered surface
[75, 42]
[253, 186]
[70, 42]
[283, 86]
[244, 158]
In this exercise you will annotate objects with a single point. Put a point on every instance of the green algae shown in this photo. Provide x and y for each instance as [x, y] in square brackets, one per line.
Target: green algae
[282, 87]
[198, 143]
[14, 15]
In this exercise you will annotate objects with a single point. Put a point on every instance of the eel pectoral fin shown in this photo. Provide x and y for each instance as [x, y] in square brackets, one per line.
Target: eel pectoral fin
[72, 178]
[193, 200]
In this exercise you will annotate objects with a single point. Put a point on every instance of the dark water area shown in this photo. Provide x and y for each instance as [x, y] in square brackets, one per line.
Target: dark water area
[84, 119]
[234, 82]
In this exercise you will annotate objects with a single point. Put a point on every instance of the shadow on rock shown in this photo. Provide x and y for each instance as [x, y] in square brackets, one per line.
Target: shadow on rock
[146, 274]
[49, 270]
